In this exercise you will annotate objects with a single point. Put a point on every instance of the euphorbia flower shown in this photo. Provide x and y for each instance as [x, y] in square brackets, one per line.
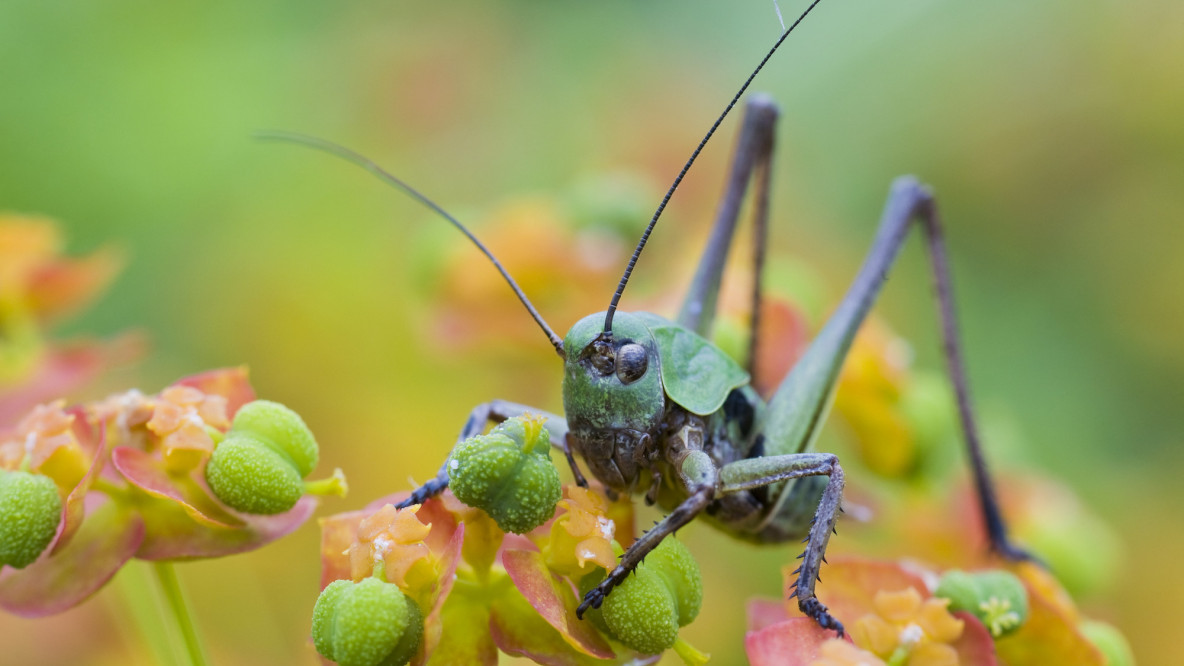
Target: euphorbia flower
[348, 547]
[46, 442]
[893, 614]
[182, 418]
[493, 591]
[581, 538]
[889, 610]
[906, 629]
[151, 502]
[391, 542]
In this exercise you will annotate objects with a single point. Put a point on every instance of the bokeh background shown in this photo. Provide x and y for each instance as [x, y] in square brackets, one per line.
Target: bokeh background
[1051, 131]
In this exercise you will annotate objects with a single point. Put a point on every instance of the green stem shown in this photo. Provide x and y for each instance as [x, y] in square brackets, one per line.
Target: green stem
[142, 611]
[689, 654]
[166, 576]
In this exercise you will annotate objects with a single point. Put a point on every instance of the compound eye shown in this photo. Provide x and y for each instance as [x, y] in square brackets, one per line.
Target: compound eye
[632, 361]
[602, 357]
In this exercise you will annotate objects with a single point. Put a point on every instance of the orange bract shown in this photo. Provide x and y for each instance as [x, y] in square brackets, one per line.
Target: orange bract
[46, 437]
[181, 417]
[394, 538]
[582, 535]
[923, 629]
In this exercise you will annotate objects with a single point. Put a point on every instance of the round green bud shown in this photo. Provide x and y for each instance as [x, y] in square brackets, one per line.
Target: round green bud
[1109, 641]
[250, 476]
[997, 598]
[282, 428]
[508, 473]
[371, 623]
[647, 609]
[30, 510]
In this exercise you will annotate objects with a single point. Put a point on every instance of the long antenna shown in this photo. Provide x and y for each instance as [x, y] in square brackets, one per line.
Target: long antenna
[369, 165]
[612, 306]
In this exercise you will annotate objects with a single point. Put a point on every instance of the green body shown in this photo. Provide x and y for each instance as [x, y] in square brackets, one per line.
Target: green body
[692, 396]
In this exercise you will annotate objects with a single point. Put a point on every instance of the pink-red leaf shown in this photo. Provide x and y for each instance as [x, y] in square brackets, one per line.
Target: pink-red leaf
[105, 541]
[148, 473]
[338, 532]
[230, 383]
[74, 509]
[553, 599]
[171, 533]
[518, 630]
[794, 642]
[765, 612]
[975, 647]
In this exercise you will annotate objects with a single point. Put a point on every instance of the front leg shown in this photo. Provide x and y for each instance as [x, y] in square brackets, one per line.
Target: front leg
[700, 476]
[494, 411]
[756, 472]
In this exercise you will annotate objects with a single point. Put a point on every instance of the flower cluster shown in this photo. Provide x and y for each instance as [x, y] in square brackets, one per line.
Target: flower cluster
[84, 489]
[491, 590]
[903, 613]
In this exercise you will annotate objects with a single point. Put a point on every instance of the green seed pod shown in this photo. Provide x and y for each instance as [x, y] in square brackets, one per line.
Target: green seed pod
[371, 623]
[1109, 641]
[646, 611]
[508, 473]
[250, 476]
[281, 428]
[30, 510]
[997, 598]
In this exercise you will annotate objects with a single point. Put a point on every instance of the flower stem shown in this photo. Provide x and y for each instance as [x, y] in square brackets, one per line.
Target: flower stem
[166, 576]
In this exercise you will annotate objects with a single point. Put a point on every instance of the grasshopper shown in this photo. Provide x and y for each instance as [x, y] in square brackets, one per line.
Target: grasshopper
[651, 405]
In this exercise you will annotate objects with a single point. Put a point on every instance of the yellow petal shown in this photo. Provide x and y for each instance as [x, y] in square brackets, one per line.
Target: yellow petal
[900, 606]
[399, 559]
[377, 523]
[212, 410]
[406, 528]
[167, 417]
[361, 561]
[937, 621]
[874, 633]
[933, 654]
[596, 550]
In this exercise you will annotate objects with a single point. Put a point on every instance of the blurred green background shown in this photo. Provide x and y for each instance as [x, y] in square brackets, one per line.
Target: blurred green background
[1052, 132]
